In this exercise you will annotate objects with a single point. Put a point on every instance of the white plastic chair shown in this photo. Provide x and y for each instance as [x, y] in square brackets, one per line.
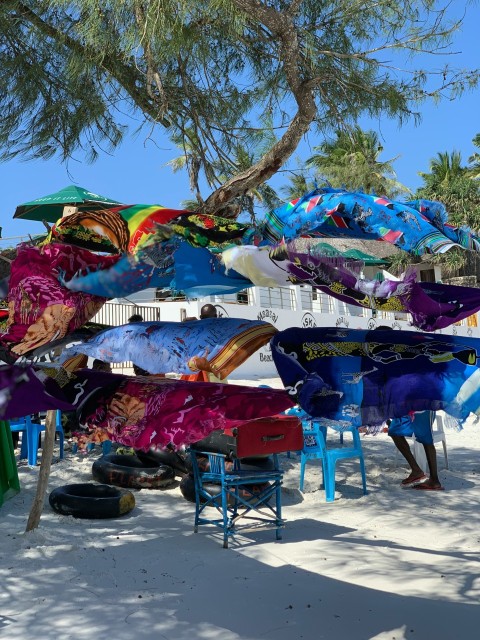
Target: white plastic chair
[438, 436]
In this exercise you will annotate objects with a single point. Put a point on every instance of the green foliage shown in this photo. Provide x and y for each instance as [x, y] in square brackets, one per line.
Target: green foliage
[450, 182]
[399, 262]
[351, 160]
[474, 159]
[6, 257]
[216, 75]
[300, 184]
[451, 261]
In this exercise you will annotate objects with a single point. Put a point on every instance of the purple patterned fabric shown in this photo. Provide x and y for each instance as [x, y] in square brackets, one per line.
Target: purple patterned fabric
[24, 390]
[350, 377]
[432, 306]
[137, 411]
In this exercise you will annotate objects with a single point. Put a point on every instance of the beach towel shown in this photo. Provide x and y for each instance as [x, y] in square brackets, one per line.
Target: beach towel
[160, 412]
[215, 345]
[127, 276]
[336, 212]
[118, 229]
[349, 377]
[40, 308]
[25, 389]
[432, 305]
[138, 412]
[203, 230]
[199, 273]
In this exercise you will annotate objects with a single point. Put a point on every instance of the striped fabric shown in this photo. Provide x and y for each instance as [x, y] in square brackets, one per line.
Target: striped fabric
[417, 227]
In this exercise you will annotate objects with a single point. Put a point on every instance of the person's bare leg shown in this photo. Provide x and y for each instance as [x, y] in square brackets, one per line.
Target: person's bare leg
[433, 481]
[417, 472]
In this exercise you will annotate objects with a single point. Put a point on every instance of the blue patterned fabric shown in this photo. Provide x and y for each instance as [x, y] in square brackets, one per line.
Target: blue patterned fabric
[349, 377]
[216, 345]
[129, 275]
[336, 212]
[198, 273]
[171, 265]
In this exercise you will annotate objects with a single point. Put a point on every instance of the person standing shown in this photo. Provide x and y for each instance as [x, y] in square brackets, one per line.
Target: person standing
[420, 425]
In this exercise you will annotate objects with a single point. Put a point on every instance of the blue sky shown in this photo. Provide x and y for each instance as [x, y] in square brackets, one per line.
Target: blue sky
[136, 172]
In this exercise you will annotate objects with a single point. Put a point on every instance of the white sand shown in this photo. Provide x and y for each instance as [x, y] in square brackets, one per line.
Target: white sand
[395, 564]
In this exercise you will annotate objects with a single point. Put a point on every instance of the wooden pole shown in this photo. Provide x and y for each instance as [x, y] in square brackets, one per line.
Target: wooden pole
[44, 473]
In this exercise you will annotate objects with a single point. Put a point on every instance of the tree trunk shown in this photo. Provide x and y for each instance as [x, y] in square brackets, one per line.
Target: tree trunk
[42, 484]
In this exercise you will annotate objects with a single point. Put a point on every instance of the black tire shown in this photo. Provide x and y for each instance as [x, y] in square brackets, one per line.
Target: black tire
[130, 472]
[187, 488]
[174, 459]
[90, 500]
[247, 464]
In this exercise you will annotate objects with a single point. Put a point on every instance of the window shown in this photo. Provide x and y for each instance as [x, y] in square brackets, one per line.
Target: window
[242, 297]
[163, 295]
[427, 275]
[276, 298]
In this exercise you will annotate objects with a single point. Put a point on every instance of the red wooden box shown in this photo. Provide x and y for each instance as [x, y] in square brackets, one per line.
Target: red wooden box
[254, 438]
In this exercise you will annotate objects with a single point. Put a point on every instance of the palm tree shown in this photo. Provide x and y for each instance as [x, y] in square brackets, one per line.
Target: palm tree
[216, 172]
[351, 161]
[474, 160]
[189, 159]
[444, 169]
[299, 185]
[450, 182]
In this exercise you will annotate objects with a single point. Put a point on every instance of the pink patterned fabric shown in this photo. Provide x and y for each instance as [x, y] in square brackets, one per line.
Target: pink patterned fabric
[40, 308]
[151, 411]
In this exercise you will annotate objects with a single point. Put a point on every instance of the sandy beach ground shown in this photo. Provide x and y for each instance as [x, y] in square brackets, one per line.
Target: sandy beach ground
[394, 564]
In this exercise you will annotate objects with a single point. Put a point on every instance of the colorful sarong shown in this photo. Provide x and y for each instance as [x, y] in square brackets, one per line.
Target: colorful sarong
[199, 273]
[40, 308]
[138, 412]
[151, 411]
[432, 306]
[215, 345]
[349, 377]
[118, 229]
[336, 213]
[127, 276]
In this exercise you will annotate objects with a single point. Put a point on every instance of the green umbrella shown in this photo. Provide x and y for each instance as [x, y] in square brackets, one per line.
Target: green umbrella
[50, 208]
[366, 258]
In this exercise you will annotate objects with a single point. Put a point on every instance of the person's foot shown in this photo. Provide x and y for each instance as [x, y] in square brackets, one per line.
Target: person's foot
[414, 478]
[429, 485]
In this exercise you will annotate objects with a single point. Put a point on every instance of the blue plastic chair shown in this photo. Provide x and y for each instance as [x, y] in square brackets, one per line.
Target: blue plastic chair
[30, 436]
[241, 493]
[315, 447]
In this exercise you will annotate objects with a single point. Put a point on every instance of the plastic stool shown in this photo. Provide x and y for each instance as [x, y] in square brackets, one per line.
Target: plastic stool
[31, 432]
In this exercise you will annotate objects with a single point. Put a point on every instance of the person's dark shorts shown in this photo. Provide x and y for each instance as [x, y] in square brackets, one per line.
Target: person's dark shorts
[420, 426]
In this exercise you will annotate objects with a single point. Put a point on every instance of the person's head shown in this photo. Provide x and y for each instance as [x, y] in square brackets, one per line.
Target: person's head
[136, 318]
[100, 365]
[208, 311]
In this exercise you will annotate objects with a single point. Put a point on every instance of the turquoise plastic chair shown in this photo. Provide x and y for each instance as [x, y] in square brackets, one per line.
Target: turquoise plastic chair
[315, 447]
[30, 436]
